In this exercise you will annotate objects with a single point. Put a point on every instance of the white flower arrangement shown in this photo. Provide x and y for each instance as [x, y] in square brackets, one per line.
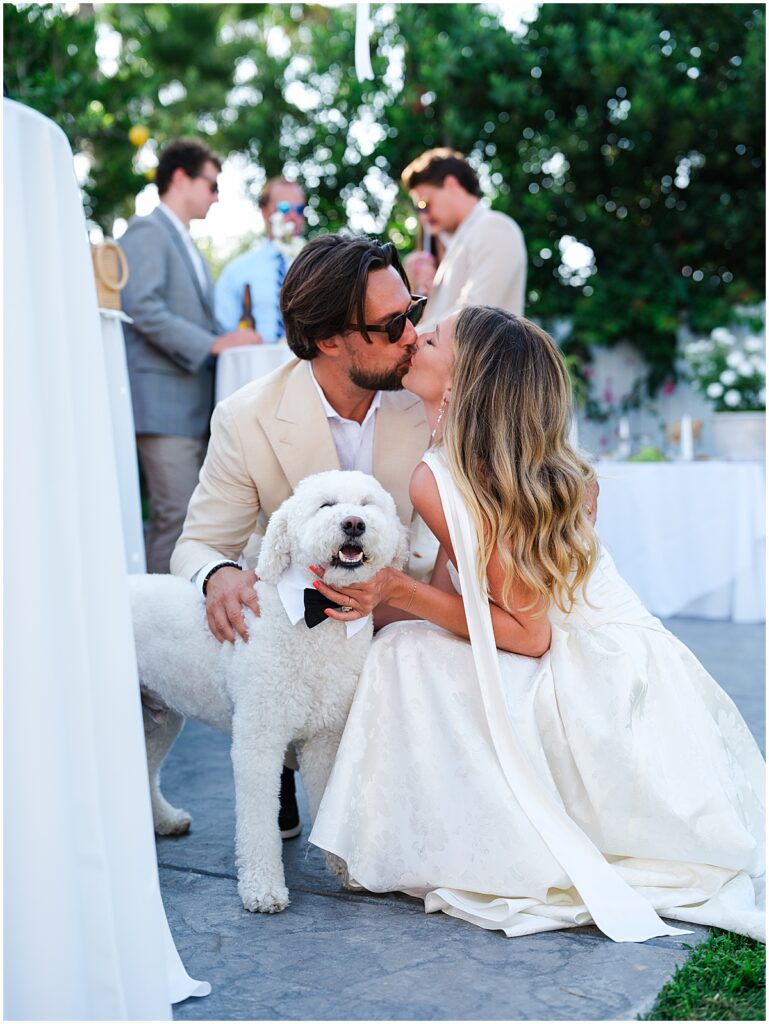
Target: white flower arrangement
[288, 244]
[729, 370]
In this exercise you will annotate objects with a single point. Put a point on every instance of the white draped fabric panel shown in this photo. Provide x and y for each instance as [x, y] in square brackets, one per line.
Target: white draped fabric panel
[689, 537]
[85, 932]
[123, 437]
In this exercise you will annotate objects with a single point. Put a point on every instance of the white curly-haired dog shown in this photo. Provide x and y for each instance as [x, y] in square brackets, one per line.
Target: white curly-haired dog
[288, 683]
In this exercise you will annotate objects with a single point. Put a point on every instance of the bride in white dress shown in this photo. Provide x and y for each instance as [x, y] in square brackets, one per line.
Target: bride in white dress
[573, 762]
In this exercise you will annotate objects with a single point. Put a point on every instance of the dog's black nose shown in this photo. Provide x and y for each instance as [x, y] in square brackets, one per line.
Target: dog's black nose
[353, 526]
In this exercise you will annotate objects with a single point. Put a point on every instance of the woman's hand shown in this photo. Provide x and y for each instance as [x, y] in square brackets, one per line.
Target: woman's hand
[359, 599]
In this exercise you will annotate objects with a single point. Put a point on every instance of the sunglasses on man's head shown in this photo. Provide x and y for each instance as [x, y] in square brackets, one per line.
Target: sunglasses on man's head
[285, 207]
[395, 327]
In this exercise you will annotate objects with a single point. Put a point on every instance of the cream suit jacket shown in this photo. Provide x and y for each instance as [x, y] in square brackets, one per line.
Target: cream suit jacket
[485, 264]
[267, 437]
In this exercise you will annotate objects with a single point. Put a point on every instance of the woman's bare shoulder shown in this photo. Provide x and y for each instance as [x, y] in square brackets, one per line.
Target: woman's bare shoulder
[423, 485]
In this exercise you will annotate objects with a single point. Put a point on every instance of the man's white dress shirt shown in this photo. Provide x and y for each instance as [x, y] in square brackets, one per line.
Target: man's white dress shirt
[354, 442]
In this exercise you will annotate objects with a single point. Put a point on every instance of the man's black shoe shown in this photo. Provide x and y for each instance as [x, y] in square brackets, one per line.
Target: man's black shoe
[288, 819]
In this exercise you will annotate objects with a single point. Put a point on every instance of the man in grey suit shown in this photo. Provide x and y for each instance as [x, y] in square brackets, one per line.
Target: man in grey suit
[174, 339]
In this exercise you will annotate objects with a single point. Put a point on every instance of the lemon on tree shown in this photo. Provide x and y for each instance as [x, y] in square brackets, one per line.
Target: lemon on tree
[138, 135]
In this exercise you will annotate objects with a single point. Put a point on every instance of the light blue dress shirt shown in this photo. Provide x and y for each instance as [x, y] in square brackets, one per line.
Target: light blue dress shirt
[260, 267]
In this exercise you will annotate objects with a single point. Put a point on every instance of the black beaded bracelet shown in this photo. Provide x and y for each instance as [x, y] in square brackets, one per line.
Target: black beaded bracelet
[216, 568]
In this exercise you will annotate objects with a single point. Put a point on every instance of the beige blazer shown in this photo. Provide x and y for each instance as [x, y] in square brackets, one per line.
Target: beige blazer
[485, 264]
[267, 437]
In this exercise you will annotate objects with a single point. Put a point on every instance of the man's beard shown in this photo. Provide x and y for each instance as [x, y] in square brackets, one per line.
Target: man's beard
[387, 380]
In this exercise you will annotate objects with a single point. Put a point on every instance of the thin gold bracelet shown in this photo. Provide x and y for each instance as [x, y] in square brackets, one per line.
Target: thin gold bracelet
[411, 595]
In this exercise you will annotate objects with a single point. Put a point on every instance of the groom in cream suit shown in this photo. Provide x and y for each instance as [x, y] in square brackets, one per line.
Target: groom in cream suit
[339, 404]
[485, 254]
[349, 319]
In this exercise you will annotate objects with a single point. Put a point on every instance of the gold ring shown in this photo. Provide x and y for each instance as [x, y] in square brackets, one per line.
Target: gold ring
[346, 608]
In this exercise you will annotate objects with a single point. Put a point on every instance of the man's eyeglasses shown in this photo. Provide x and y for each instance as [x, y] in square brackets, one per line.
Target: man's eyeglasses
[394, 328]
[285, 207]
[213, 184]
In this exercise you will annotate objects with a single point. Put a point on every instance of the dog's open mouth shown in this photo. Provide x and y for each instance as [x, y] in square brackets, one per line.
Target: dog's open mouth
[349, 556]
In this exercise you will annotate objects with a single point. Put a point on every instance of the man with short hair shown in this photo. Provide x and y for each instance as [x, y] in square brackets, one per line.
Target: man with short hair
[263, 267]
[485, 257]
[350, 322]
[174, 337]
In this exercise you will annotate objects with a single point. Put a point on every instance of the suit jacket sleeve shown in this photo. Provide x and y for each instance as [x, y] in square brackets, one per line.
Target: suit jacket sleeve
[148, 252]
[497, 265]
[224, 506]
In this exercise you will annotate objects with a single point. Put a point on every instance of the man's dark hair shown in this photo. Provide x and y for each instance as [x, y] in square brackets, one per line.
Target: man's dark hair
[188, 154]
[434, 166]
[325, 288]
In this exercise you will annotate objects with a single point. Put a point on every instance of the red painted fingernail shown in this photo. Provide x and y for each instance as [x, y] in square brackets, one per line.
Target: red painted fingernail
[316, 584]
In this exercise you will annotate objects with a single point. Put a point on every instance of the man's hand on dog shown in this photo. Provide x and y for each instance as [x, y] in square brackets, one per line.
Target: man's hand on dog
[230, 590]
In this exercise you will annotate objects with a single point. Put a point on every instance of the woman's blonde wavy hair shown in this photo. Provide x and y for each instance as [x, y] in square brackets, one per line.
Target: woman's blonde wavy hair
[505, 439]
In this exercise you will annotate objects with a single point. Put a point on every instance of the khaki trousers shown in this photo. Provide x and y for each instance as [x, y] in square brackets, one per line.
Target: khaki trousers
[171, 466]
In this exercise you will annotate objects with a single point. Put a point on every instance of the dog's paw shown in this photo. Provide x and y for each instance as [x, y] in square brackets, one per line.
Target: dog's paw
[172, 823]
[262, 899]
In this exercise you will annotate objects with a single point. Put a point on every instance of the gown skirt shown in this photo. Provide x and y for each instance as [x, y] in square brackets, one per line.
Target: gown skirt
[628, 736]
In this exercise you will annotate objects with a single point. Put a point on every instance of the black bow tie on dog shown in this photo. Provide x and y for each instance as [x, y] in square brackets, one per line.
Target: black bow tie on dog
[314, 606]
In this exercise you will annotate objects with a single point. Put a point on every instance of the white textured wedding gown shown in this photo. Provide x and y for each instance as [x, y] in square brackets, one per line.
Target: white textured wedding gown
[607, 781]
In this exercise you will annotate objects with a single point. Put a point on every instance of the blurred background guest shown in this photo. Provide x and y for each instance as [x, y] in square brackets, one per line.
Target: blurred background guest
[248, 289]
[171, 344]
[485, 255]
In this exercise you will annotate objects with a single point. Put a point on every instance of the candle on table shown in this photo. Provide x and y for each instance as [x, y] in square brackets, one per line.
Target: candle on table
[687, 439]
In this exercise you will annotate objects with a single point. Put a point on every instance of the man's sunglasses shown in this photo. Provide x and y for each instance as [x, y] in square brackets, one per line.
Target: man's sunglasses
[213, 184]
[394, 328]
[285, 207]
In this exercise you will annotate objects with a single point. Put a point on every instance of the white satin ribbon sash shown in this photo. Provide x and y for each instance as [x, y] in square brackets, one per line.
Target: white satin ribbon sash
[617, 909]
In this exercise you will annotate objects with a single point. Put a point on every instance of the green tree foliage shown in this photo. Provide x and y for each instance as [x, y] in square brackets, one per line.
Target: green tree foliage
[634, 129]
[172, 74]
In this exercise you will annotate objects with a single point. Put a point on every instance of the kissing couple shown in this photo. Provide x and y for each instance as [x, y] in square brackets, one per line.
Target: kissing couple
[528, 748]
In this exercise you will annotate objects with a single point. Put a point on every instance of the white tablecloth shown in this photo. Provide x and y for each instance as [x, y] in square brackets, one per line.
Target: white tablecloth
[123, 438]
[689, 537]
[86, 936]
[238, 366]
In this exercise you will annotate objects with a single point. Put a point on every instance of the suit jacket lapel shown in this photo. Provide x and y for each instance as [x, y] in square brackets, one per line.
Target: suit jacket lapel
[299, 432]
[457, 240]
[206, 299]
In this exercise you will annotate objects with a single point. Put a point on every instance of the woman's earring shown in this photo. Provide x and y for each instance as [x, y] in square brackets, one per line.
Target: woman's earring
[441, 410]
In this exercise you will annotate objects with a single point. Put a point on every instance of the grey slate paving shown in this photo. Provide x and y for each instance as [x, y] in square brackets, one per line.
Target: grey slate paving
[334, 955]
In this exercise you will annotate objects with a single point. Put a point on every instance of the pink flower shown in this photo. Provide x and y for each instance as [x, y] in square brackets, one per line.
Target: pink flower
[668, 387]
